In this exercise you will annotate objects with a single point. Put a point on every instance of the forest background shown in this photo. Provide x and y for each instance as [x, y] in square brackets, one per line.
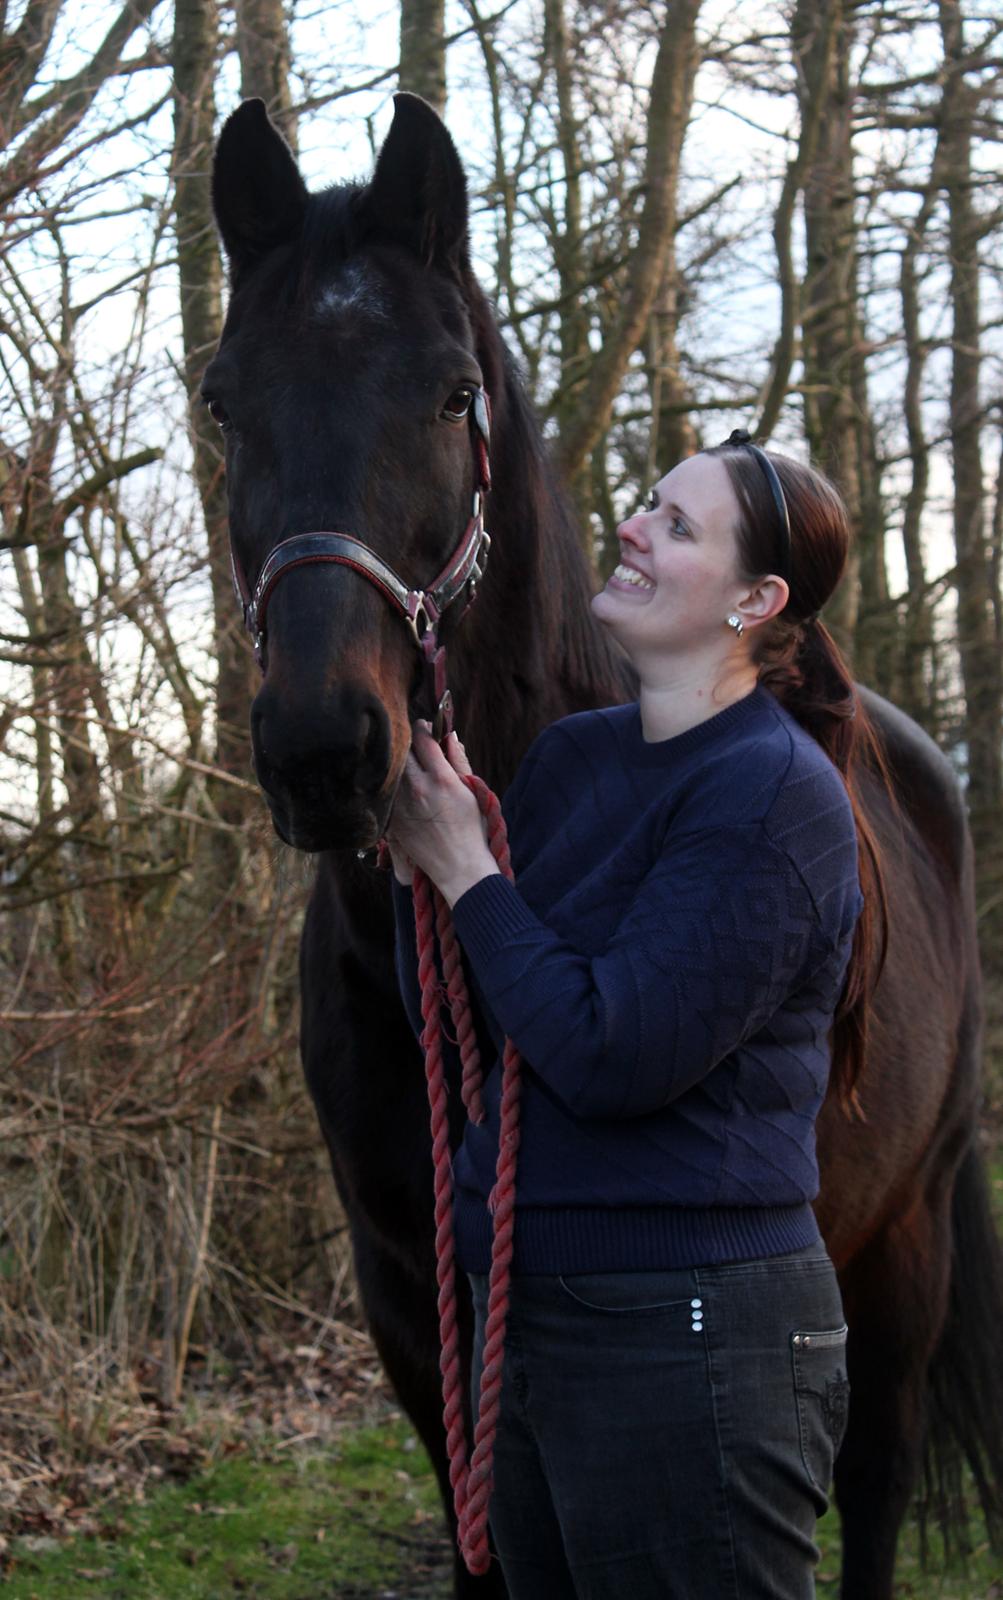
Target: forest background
[690, 216]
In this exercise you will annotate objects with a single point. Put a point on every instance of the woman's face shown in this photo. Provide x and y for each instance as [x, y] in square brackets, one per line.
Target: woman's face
[678, 576]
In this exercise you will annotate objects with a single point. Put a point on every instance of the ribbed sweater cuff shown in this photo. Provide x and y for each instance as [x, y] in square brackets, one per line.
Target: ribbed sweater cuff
[488, 916]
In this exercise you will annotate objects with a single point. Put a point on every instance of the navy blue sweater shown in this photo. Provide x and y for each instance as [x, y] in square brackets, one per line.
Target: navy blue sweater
[668, 963]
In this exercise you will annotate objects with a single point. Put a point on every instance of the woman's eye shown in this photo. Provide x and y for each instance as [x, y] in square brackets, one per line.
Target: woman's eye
[679, 527]
[458, 404]
[218, 412]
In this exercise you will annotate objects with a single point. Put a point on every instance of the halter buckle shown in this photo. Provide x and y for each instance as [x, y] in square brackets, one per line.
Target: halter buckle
[418, 617]
[479, 567]
[442, 722]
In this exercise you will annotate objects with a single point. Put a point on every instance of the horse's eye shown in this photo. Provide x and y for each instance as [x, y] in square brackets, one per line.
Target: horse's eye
[218, 412]
[458, 404]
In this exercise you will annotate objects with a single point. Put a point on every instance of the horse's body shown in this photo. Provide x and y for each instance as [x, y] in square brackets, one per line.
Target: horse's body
[354, 319]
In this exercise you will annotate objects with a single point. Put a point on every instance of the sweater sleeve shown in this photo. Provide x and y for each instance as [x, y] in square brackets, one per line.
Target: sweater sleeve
[721, 932]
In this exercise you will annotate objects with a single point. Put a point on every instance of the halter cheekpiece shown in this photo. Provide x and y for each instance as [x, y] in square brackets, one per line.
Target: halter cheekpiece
[421, 610]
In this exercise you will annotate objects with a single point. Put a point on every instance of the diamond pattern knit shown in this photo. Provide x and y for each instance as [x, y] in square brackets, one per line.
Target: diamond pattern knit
[668, 962]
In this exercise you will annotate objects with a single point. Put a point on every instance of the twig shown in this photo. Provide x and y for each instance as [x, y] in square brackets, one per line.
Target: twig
[198, 1263]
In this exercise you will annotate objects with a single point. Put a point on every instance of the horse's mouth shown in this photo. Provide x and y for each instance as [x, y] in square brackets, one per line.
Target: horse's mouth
[357, 826]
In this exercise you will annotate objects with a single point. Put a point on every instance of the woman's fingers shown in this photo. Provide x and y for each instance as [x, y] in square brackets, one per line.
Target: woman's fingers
[444, 767]
[425, 749]
[457, 756]
[431, 754]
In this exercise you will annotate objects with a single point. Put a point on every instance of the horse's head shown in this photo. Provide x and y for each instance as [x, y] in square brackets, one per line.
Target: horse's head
[344, 386]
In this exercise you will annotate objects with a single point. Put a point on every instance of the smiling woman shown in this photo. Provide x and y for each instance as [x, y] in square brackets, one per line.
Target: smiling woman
[683, 931]
[679, 576]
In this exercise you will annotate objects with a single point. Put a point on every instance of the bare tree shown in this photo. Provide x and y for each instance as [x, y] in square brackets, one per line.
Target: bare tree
[36, 128]
[977, 643]
[200, 273]
[668, 118]
[263, 48]
[423, 50]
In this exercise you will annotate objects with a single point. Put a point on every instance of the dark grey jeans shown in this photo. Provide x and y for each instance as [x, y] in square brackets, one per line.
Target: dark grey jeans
[668, 1435]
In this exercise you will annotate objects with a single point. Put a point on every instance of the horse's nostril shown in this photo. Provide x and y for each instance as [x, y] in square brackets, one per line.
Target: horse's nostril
[321, 758]
[373, 737]
[374, 748]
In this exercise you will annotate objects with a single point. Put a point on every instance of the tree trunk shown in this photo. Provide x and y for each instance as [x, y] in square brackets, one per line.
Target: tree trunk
[263, 48]
[673, 435]
[813, 39]
[830, 324]
[916, 638]
[200, 275]
[423, 51]
[980, 665]
[668, 116]
[876, 642]
[569, 253]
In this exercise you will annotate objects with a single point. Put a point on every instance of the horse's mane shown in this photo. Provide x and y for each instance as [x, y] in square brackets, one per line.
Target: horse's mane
[331, 229]
[541, 531]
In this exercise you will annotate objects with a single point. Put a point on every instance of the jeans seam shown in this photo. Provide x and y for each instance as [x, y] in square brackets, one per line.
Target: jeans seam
[713, 1388]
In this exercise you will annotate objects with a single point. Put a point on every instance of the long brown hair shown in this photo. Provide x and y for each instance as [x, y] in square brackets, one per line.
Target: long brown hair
[800, 662]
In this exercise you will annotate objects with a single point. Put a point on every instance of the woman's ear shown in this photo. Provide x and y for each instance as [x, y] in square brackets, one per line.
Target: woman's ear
[763, 601]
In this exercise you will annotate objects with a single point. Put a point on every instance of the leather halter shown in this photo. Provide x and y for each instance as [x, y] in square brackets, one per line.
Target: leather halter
[421, 610]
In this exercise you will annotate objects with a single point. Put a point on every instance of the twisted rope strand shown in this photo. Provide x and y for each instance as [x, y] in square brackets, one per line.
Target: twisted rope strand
[459, 1009]
[431, 1040]
[471, 1484]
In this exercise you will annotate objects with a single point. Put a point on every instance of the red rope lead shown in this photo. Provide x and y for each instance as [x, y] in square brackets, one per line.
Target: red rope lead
[471, 1484]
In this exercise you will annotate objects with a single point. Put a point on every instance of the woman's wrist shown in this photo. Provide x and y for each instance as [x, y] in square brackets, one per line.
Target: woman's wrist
[464, 875]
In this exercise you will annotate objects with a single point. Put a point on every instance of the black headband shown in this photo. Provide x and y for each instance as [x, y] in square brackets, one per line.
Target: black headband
[740, 439]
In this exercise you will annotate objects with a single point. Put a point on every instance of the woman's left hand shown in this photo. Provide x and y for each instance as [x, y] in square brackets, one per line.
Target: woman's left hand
[436, 820]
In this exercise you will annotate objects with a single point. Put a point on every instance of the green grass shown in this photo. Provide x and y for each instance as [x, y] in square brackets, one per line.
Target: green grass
[981, 1580]
[355, 1522]
[351, 1522]
[358, 1522]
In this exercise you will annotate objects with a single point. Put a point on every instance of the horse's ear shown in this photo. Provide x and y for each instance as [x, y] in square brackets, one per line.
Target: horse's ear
[258, 195]
[418, 195]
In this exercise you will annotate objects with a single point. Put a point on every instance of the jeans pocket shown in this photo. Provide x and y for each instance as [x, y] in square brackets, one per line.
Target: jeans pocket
[628, 1293]
[822, 1393]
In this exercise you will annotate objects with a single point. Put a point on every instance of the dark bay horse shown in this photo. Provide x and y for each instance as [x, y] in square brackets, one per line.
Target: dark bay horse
[355, 340]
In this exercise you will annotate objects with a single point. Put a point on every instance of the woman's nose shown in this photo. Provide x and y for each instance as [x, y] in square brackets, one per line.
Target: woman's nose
[631, 530]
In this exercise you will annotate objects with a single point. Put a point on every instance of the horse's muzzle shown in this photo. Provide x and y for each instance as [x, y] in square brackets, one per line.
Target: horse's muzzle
[325, 770]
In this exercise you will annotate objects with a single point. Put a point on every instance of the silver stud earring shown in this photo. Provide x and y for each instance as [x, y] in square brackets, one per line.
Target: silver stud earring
[735, 621]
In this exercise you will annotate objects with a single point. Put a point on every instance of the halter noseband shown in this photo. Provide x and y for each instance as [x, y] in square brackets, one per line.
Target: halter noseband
[421, 609]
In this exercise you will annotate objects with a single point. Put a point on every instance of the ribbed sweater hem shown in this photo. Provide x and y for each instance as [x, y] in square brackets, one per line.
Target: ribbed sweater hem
[550, 1239]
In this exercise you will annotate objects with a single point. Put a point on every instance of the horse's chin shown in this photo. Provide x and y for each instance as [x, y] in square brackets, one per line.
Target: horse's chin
[353, 828]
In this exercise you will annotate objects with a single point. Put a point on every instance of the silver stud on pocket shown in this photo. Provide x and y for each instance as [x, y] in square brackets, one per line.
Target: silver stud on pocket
[696, 1312]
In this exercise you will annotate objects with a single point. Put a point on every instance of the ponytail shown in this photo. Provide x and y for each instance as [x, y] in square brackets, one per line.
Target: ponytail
[804, 668]
[800, 662]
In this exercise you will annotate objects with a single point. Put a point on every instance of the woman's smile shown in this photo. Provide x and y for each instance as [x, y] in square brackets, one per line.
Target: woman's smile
[630, 581]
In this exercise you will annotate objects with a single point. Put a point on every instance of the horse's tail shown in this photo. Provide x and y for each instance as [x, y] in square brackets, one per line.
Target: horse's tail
[965, 1425]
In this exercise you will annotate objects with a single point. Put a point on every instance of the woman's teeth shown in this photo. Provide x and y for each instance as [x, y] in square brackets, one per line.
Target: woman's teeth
[628, 575]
